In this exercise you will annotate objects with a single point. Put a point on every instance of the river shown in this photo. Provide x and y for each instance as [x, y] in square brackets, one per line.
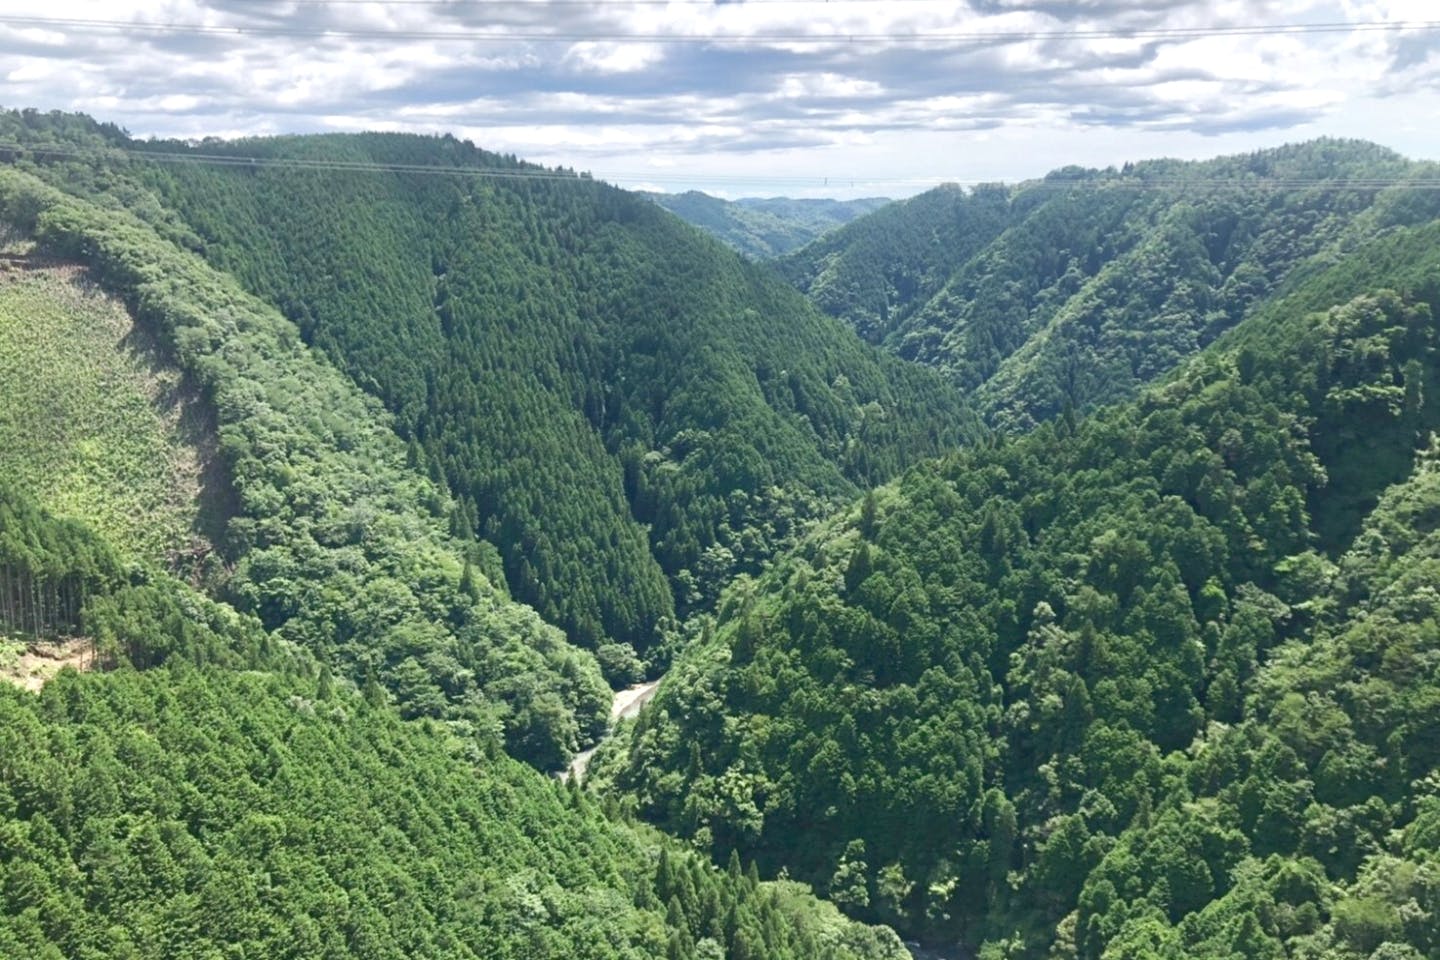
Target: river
[931, 953]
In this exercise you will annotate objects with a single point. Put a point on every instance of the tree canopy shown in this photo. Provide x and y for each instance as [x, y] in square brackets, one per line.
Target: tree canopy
[1074, 290]
[629, 412]
[1157, 681]
[1152, 669]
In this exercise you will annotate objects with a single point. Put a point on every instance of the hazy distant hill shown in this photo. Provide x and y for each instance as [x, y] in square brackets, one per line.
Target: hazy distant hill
[764, 227]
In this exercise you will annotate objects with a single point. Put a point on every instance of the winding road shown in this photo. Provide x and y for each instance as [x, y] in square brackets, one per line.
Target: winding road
[627, 703]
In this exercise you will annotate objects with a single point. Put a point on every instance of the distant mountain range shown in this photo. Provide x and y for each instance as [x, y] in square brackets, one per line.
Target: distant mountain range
[763, 227]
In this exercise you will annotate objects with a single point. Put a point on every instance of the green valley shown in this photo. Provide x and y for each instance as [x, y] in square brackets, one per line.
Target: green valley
[1073, 291]
[589, 377]
[309, 761]
[1044, 572]
[763, 227]
[1156, 682]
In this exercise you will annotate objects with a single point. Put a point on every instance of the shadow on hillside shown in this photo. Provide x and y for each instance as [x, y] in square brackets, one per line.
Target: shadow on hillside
[183, 403]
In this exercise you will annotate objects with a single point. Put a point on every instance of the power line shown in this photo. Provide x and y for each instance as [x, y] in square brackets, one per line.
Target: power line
[377, 166]
[497, 36]
[1098, 179]
[462, 4]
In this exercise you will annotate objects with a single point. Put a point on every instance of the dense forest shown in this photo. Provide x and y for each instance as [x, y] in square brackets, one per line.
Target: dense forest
[628, 412]
[1074, 290]
[1157, 682]
[201, 813]
[764, 227]
[216, 793]
[310, 762]
[49, 568]
[1149, 667]
[333, 542]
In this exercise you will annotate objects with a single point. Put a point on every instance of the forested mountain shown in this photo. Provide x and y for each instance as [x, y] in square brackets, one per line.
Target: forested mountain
[881, 268]
[306, 763]
[764, 227]
[1159, 682]
[215, 793]
[330, 540]
[185, 812]
[627, 411]
[1075, 290]
[1155, 679]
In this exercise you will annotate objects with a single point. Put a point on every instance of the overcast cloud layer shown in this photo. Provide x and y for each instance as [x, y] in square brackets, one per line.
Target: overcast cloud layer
[759, 116]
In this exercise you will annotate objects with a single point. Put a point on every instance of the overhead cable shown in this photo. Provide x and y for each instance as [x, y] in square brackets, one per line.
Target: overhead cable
[1105, 179]
[501, 35]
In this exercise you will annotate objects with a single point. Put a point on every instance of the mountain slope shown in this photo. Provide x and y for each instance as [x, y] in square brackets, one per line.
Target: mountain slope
[763, 227]
[210, 792]
[90, 422]
[333, 543]
[1075, 290]
[878, 270]
[630, 413]
[211, 788]
[250, 814]
[1097, 690]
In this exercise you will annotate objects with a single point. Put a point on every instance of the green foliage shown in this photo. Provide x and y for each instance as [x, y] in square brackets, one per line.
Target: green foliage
[1156, 682]
[206, 813]
[336, 546]
[761, 228]
[58, 577]
[631, 414]
[49, 568]
[91, 424]
[1112, 687]
[148, 624]
[1074, 291]
[877, 271]
[619, 664]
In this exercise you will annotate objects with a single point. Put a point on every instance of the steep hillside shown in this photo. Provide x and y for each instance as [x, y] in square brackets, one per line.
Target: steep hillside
[1075, 290]
[246, 814]
[212, 787]
[877, 271]
[213, 792]
[763, 227]
[1157, 682]
[91, 421]
[628, 411]
[333, 543]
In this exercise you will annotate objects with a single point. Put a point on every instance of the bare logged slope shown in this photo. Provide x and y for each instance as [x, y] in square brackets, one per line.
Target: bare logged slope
[92, 423]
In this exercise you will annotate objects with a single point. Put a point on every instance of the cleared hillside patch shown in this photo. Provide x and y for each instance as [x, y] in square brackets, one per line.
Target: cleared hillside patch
[92, 424]
[29, 664]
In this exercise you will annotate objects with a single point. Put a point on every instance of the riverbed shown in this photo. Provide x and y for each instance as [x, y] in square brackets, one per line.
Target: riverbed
[627, 703]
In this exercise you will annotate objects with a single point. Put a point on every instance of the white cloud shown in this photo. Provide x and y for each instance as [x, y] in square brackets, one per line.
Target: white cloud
[807, 115]
[610, 57]
[824, 86]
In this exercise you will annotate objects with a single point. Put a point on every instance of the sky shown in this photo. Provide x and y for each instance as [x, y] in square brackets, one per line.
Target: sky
[752, 98]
